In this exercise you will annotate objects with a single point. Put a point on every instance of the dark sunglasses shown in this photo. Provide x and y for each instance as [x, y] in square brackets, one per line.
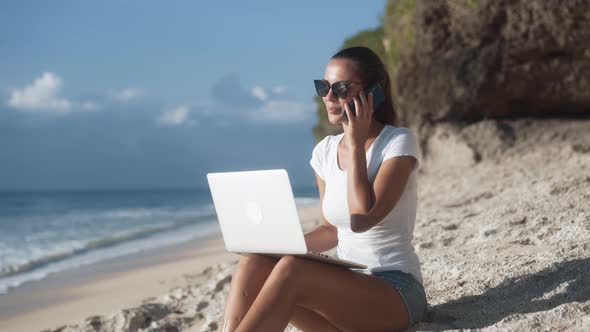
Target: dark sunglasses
[340, 88]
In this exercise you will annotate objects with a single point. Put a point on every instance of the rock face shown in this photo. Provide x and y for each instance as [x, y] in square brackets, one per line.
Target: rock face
[471, 60]
[463, 146]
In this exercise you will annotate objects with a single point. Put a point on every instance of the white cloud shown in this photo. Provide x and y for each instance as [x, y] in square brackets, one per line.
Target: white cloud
[259, 93]
[127, 94]
[175, 117]
[43, 94]
[282, 112]
[277, 90]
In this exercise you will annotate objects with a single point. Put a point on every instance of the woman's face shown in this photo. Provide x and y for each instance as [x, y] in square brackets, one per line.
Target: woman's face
[340, 70]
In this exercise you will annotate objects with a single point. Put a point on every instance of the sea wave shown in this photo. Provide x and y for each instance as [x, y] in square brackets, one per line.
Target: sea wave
[72, 248]
[98, 253]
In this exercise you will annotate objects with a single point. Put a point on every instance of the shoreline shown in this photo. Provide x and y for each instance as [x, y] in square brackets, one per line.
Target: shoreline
[69, 297]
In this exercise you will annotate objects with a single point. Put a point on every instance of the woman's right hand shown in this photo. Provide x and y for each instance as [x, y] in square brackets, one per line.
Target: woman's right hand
[359, 122]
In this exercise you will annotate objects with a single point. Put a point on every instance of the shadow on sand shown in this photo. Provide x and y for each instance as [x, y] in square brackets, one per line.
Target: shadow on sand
[519, 295]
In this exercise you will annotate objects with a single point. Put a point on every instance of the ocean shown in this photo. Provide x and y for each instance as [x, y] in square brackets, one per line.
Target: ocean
[46, 232]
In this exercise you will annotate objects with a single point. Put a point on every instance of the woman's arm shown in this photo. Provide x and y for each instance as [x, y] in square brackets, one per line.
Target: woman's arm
[367, 204]
[324, 237]
[359, 191]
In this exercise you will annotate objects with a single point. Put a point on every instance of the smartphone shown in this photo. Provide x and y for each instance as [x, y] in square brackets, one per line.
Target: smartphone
[378, 99]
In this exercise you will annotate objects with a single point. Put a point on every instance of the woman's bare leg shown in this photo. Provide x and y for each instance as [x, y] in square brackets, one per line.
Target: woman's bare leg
[249, 277]
[347, 299]
[309, 321]
[247, 280]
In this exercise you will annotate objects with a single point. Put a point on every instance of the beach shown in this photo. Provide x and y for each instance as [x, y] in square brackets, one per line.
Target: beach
[71, 296]
[503, 244]
[115, 115]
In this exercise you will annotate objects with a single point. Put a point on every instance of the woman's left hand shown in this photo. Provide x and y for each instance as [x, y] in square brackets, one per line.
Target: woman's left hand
[360, 121]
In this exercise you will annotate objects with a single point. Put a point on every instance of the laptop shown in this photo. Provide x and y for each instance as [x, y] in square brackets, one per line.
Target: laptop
[257, 214]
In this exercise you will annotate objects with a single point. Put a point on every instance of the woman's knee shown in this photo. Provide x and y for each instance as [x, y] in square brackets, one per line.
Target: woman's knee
[288, 267]
[257, 262]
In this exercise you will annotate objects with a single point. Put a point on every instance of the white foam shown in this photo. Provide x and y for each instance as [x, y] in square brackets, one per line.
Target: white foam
[192, 232]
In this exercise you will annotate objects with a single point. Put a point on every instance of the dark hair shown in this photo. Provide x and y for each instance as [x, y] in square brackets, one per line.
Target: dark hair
[371, 70]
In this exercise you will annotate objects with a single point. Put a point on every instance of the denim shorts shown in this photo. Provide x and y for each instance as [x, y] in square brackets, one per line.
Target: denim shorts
[411, 291]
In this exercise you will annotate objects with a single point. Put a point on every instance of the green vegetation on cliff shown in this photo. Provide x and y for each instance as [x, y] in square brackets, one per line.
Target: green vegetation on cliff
[399, 33]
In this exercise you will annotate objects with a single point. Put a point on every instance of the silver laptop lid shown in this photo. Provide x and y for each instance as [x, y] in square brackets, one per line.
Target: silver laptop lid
[257, 212]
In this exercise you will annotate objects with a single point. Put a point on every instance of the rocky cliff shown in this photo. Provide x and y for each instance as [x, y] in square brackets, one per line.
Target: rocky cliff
[456, 62]
[498, 59]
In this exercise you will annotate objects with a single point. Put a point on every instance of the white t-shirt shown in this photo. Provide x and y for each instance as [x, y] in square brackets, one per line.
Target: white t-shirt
[387, 245]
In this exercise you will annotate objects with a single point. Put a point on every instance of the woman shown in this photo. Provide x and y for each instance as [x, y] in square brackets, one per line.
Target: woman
[367, 182]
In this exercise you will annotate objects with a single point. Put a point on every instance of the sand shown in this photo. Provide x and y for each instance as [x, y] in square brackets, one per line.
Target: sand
[502, 232]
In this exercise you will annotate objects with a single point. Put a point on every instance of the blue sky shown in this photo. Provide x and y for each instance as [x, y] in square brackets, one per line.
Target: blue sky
[144, 94]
